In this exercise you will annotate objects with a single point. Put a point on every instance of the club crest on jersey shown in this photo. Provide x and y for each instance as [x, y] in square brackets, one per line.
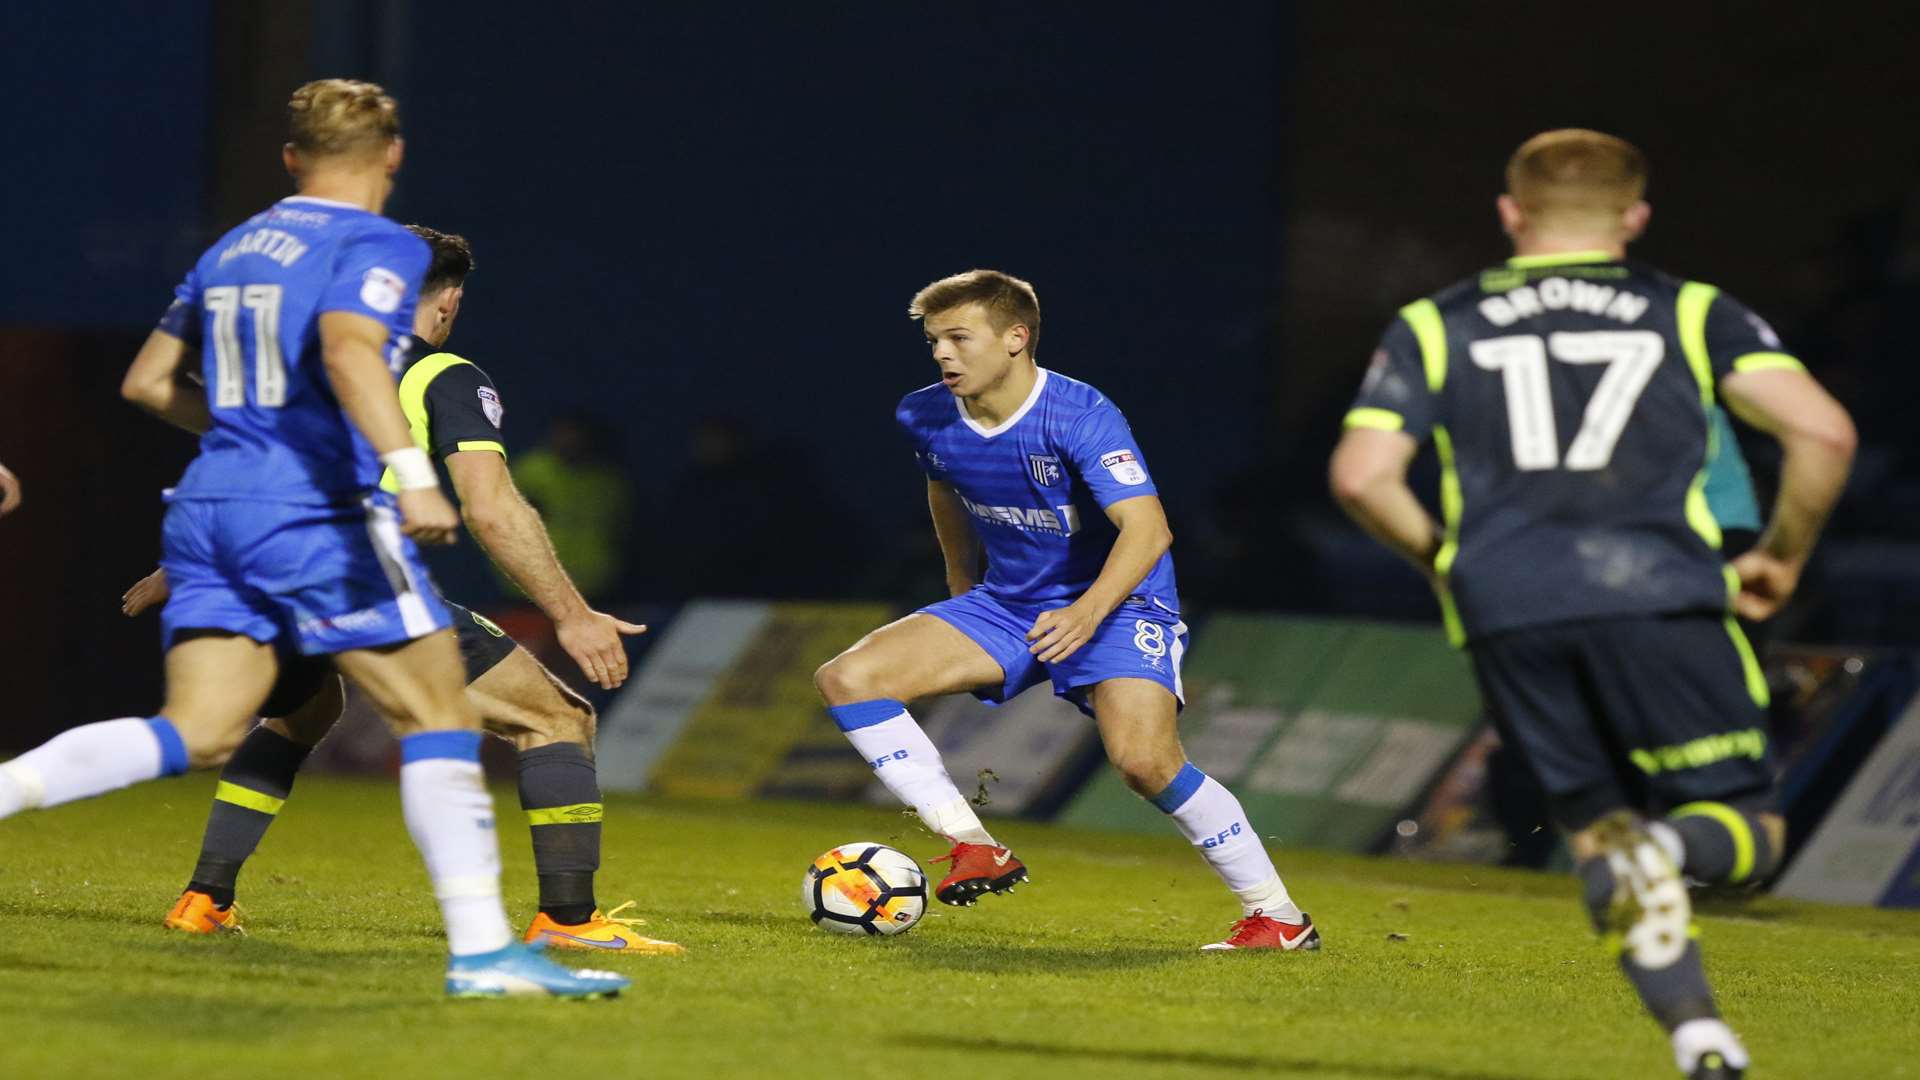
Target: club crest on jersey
[1045, 469]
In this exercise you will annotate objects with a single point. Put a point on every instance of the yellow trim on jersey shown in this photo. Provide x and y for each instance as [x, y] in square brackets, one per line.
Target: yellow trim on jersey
[578, 814]
[481, 444]
[1562, 258]
[413, 402]
[1450, 508]
[228, 792]
[1376, 419]
[1431, 331]
[1690, 313]
[1749, 663]
[1768, 361]
[1736, 824]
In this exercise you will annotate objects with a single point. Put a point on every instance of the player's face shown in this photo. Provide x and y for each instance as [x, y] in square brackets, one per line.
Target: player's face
[974, 358]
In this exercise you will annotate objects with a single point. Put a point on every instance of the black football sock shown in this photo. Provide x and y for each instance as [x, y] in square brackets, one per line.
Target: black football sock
[1674, 993]
[254, 784]
[1723, 845]
[560, 792]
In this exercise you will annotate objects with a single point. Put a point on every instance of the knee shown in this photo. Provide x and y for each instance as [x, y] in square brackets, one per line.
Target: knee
[209, 746]
[1145, 771]
[844, 680]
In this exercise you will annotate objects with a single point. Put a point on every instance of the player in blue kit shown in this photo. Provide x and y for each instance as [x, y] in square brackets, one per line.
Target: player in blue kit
[278, 537]
[1041, 474]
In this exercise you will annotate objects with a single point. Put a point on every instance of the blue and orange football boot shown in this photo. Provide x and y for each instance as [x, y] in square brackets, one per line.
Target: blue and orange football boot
[195, 913]
[606, 933]
[520, 971]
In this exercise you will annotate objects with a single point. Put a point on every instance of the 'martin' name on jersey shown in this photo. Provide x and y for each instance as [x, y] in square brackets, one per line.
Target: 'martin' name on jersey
[1559, 294]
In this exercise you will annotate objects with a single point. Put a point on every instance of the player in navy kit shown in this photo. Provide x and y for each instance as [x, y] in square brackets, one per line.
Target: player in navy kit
[1571, 395]
[278, 537]
[1040, 473]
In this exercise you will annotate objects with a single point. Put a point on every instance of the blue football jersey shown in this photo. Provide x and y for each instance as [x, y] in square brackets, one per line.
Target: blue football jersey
[253, 304]
[1037, 486]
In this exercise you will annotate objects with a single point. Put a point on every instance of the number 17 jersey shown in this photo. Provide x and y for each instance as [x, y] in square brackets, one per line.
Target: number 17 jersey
[253, 304]
[1569, 398]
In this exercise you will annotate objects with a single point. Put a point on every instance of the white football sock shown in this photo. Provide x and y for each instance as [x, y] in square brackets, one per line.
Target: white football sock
[908, 763]
[449, 813]
[90, 760]
[1208, 815]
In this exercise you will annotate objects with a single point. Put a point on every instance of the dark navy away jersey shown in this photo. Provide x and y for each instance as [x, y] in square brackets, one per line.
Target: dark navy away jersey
[1038, 485]
[1570, 400]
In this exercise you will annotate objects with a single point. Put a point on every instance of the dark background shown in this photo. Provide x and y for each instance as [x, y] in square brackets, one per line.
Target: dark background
[715, 215]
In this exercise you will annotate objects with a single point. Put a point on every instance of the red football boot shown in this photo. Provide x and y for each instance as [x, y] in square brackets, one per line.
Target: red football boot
[978, 868]
[1257, 931]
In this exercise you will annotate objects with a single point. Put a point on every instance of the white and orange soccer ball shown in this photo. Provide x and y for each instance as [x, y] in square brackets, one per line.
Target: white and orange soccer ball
[865, 888]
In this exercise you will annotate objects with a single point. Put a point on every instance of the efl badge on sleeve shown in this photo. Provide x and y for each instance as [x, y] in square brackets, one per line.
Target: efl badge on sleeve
[1045, 469]
[490, 404]
[1124, 467]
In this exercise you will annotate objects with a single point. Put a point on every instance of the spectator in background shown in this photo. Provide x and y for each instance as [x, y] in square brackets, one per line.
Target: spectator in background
[9, 491]
[583, 495]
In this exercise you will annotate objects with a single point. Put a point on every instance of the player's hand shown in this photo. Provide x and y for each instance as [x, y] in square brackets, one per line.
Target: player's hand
[592, 638]
[148, 591]
[1059, 633]
[428, 517]
[1766, 583]
[9, 491]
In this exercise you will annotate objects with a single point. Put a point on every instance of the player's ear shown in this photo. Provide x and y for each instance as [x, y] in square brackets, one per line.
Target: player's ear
[1513, 220]
[291, 159]
[1016, 338]
[396, 150]
[1634, 221]
[450, 299]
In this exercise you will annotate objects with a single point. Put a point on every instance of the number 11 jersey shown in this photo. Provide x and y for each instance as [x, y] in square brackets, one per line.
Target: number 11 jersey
[1569, 400]
[253, 304]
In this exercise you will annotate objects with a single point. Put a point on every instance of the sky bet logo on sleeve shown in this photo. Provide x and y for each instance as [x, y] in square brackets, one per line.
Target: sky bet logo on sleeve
[382, 290]
[1125, 467]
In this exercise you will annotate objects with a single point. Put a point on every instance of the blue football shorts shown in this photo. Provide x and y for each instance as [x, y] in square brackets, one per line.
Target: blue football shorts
[307, 579]
[1140, 640]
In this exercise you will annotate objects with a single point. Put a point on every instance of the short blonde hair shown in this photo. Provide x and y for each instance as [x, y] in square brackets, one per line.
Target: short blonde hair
[1576, 172]
[339, 116]
[1008, 300]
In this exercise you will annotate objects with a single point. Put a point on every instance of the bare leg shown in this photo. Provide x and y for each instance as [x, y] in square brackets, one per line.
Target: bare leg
[866, 689]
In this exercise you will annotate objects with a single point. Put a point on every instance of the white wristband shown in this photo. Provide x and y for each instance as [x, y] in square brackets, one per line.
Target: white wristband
[412, 468]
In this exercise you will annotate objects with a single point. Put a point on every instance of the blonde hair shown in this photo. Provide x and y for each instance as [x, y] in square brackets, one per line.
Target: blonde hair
[1574, 172]
[328, 117]
[1008, 300]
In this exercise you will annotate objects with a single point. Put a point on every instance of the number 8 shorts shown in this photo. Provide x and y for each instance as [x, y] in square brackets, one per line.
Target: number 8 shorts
[1140, 640]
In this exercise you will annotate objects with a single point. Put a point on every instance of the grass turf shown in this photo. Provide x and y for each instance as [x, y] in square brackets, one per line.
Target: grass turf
[1429, 972]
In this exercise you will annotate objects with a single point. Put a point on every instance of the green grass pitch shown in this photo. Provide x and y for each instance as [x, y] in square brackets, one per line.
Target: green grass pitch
[1429, 972]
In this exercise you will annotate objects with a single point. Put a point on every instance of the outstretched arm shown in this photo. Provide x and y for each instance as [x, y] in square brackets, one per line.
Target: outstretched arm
[1817, 442]
[161, 381]
[959, 544]
[1368, 475]
[514, 537]
[1144, 537]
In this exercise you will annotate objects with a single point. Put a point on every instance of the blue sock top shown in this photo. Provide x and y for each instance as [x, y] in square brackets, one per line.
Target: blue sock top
[861, 714]
[1185, 783]
[427, 745]
[173, 752]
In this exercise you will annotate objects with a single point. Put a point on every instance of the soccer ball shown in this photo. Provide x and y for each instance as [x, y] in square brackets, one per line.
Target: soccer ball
[865, 888]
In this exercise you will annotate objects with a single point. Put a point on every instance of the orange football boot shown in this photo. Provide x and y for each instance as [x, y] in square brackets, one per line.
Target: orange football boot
[194, 913]
[606, 933]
